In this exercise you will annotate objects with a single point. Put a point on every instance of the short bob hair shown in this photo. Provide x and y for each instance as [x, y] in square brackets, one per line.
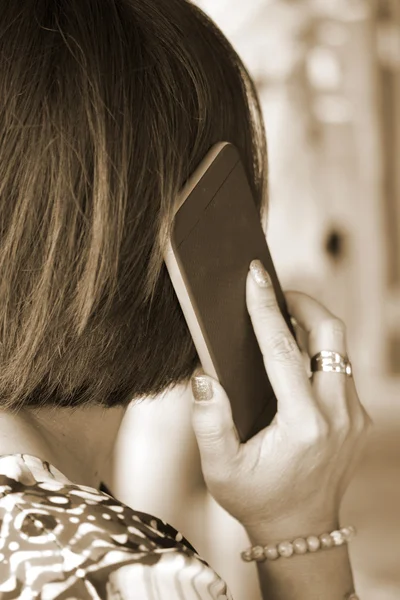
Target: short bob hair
[106, 107]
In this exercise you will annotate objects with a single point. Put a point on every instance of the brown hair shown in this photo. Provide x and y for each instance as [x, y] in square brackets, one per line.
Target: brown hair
[106, 107]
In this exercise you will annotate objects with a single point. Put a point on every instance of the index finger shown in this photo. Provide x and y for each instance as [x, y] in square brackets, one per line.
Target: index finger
[283, 360]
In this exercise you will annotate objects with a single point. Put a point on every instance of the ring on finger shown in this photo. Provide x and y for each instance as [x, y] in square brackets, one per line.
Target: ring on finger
[331, 361]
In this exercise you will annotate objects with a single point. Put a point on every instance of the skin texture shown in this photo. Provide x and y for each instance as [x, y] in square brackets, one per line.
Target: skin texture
[79, 443]
[304, 501]
[289, 479]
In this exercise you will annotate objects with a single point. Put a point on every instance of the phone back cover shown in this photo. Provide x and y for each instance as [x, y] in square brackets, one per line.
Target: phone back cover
[216, 234]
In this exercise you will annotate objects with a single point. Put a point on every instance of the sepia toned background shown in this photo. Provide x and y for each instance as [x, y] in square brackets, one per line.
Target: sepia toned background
[328, 74]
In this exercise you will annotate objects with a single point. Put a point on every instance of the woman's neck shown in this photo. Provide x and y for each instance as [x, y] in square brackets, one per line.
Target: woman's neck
[78, 442]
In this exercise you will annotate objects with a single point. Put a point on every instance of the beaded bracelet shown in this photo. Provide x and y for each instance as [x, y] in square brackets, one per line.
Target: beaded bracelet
[300, 545]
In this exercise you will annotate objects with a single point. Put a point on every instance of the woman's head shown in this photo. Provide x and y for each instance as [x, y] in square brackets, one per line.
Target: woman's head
[106, 107]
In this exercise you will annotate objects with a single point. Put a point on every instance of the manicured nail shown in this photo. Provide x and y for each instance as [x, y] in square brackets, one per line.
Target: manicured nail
[259, 274]
[202, 388]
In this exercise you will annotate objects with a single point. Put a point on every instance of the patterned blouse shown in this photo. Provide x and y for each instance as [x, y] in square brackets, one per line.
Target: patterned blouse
[60, 540]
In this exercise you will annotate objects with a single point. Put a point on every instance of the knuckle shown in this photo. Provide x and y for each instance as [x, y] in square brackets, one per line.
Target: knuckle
[335, 326]
[344, 425]
[363, 424]
[283, 347]
[315, 429]
[338, 326]
[359, 428]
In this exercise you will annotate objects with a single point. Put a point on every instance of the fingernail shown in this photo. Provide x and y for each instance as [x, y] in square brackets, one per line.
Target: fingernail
[202, 388]
[259, 274]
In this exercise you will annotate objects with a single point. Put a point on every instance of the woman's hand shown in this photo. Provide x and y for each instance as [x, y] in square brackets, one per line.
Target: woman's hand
[295, 471]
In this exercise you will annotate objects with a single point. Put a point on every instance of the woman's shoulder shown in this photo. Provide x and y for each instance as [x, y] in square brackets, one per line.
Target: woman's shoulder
[65, 538]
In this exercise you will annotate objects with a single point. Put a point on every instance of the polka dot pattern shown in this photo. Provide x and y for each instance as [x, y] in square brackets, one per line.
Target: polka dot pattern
[47, 521]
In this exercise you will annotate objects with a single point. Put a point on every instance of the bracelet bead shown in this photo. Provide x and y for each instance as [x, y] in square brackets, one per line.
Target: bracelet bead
[348, 533]
[247, 555]
[338, 538]
[285, 549]
[258, 553]
[326, 540]
[271, 552]
[313, 543]
[300, 546]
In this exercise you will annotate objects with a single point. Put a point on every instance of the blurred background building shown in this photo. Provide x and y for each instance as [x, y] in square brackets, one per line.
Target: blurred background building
[328, 75]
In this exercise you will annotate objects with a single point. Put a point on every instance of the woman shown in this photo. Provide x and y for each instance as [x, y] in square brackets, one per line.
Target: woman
[107, 106]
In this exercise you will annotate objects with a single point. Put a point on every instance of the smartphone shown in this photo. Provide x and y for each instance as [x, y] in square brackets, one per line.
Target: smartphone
[215, 234]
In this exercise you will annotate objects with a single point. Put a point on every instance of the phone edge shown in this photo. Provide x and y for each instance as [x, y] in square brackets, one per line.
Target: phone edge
[176, 275]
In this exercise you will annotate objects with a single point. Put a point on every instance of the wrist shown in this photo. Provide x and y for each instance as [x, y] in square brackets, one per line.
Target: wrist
[310, 576]
[287, 559]
[288, 529]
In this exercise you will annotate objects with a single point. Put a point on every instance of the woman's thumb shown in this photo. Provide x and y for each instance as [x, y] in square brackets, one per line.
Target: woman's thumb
[212, 422]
